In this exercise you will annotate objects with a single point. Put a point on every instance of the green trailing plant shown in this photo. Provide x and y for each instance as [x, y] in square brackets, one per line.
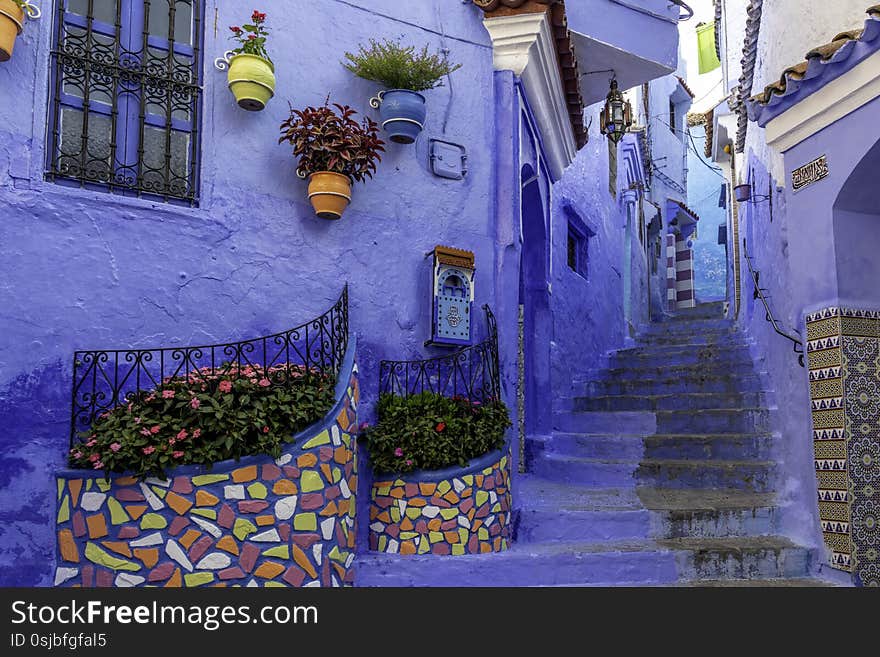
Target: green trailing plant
[399, 67]
[430, 432]
[206, 417]
[251, 37]
[328, 140]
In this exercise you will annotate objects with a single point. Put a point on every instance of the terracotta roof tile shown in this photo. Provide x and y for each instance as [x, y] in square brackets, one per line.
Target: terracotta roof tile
[685, 86]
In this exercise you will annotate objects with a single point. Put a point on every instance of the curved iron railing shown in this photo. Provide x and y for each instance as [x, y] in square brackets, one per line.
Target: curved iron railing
[472, 372]
[104, 379]
[759, 294]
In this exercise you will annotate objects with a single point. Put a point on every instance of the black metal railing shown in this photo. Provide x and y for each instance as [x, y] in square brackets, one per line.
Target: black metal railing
[759, 294]
[472, 373]
[105, 379]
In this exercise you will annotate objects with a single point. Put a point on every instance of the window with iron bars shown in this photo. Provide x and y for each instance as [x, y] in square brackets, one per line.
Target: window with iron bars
[125, 97]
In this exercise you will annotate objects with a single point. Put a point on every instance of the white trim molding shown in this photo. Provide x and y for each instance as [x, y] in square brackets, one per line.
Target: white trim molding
[826, 106]
[524, 44]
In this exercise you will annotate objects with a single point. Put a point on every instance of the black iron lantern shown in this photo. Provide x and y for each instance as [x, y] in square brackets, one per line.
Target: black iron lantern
[617, 115]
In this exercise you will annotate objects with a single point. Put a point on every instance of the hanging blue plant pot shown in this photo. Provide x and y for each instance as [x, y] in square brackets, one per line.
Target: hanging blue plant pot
[403, 114]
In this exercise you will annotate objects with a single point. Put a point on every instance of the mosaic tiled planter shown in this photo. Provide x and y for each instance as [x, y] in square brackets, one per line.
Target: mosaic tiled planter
[447, 512]
[255, 522]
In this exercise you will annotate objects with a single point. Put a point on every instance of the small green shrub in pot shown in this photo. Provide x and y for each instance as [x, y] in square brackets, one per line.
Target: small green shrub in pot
[431, 432]
[404, 72]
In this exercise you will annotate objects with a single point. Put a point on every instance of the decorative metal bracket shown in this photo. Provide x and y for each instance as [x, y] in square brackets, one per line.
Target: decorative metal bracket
[31, 11]
[376, 101]
[222, 63]
[302, 174]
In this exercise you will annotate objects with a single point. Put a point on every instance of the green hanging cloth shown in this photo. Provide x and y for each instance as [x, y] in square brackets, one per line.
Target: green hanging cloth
[706, 46]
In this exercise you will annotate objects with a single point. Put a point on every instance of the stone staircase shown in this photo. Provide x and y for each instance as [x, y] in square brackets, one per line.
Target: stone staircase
[660, 471]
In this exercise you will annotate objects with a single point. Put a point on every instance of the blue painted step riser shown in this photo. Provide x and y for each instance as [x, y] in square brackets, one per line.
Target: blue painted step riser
[520, 569]
[707, 369]
[621, 448]
[751, 564]
[672, 386]
[587, 474]
[623, 423]
[670, 403]
[677, 338]
[706, 421]
[694, 327]
[708, 449]
[588, 526]
[719, 523]
[677, 349]
[758, 478]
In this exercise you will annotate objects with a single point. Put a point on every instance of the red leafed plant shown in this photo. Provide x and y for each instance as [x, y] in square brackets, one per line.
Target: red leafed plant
[329, 138]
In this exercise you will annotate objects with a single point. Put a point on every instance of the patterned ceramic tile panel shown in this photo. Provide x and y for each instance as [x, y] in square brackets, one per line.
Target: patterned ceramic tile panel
[260, 522]
[844, 356]
[467, 514]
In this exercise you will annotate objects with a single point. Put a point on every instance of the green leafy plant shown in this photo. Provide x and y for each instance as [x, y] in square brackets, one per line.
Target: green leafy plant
[206, 417]
[251, 37]
[430, 432]
[328, 140]
[399, 67]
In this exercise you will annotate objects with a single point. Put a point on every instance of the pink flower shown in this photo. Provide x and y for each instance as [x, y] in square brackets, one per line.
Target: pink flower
[364, 425]
[177, 454]
[265, 383]
[409, 461]
[171, 441]
[77, 454]
[195, 403]
[115, 447]
[167, 394]
[94, 457]
[182, 435]
[225, 386]
[265, 429]
[148, 450]
[155, 429]
[441, 427]
[398, 452]
[146, 432]
[98, 465]
[251, 37]
[476, 403]
[197, 433]
[92, 443]
[137, 420]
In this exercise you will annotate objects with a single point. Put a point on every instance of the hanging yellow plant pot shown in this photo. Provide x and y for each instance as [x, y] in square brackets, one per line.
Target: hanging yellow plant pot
[329, 193]
[252, 81]
[12, 19]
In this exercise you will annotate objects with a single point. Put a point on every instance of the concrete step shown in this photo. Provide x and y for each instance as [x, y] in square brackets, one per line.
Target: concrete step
[755, 476]
[674, 349]
[687, 325]
[556, 563]
[635, 372]
[739, 558]
[588, 445]
[724, 420]
[711, 446]
[709, 513]
[662, 337]
[586, 472]
[616, 422]
[671, 402]
[708, 309]
[790, 582]
[698, 383]
[551, 511]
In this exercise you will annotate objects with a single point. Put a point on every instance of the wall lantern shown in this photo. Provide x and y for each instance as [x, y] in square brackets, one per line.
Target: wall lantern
[452, 297]
[617, 115]
[746, 193]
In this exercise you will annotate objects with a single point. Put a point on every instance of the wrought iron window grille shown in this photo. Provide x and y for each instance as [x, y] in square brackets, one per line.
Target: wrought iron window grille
[126, 87]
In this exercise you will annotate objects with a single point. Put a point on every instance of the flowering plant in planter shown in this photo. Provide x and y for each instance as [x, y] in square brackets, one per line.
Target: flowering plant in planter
[430, 432]
[333, 148]
[206, 417]
[404, 72]
[13, 15]
[251, 72]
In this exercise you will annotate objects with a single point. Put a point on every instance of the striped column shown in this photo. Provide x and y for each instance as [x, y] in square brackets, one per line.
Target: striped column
[684, 274]
[671, 292]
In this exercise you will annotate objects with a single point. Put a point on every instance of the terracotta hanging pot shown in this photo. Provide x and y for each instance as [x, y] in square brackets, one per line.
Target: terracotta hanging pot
[329, 193]
[251, 80]
[12, 18]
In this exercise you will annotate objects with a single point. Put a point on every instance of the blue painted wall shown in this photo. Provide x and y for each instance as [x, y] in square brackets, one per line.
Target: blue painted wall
[704, 190]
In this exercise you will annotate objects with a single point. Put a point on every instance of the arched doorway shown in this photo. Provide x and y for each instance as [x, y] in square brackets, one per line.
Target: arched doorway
[534, 299]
